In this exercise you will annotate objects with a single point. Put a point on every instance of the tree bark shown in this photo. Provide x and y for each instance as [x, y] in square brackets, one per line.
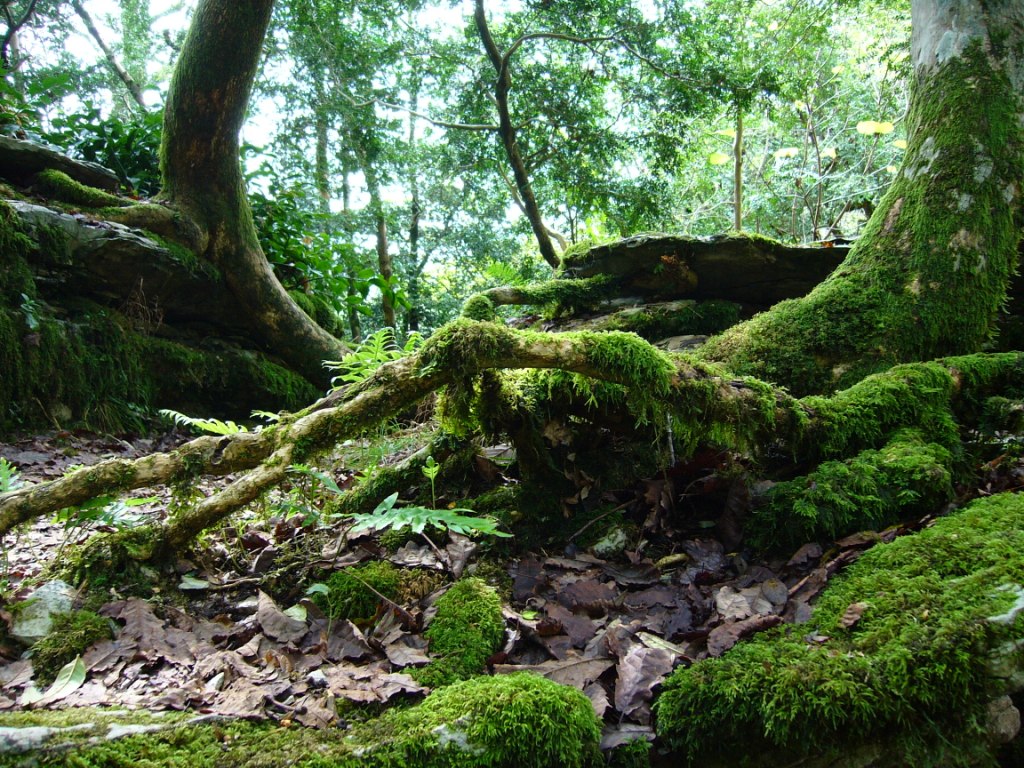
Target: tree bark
[929, 274]
[202, 177]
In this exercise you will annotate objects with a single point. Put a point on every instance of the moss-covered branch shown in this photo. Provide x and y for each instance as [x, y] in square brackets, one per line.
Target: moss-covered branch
[705, 401]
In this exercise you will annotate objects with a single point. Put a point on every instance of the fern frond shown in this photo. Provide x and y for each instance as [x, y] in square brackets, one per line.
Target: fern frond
[212, 426]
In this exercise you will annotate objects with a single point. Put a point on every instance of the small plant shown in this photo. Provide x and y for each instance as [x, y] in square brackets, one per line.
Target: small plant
[379, 348]
[386, 516]
[103, 510]
[212, 426]
[10, 478]
[30, 311]
[430, 470]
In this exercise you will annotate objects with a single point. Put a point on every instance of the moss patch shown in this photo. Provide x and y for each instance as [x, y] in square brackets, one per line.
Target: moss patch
[70, 635]
[913, 672]
[469, 628]
[509, 720]
[351, 591]
[875, 488]
[59, 185]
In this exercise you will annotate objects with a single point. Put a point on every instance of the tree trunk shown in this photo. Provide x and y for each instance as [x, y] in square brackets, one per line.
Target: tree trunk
[202, 176]
[507, 131]
[931, 270]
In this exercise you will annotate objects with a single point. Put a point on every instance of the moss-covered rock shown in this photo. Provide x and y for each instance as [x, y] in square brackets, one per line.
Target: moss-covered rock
[60, 186]
[521, 720]
[937, 612]
[469, 628]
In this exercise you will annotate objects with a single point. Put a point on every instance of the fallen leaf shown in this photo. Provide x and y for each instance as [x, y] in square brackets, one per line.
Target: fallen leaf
[724, 637]
[276, 624]
[639, 671]
[852, 614]
[575, 672]
[69, 679]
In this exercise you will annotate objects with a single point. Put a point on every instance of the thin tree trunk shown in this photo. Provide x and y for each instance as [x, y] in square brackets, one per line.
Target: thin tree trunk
[507, 132]
[202, 177]
[737, 187]
[412, 317]
[129, 82]
[930, 272]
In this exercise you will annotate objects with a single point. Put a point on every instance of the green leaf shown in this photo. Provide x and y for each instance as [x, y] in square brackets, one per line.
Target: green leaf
[318, 589]
[718, 158]
[191, 582]
[69, 679]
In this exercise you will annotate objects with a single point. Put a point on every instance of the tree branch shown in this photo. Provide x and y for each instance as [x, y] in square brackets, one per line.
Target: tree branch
[121, 72]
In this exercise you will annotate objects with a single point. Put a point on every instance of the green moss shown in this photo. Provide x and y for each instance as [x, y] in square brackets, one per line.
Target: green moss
[488, 722]
[59, 185]
[353, 592]
[70, 635]
[659, 322]
[113, 560]
[320, 311]
[479, 307]
[468, 629]
[519, 720]
[875, 488]
[912, 672]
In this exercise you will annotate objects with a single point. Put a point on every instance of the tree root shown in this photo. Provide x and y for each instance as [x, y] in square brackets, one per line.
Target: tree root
[708, 405]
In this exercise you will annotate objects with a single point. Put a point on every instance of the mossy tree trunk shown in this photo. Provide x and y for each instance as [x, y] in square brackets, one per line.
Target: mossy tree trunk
[202, 176]
[929, 274]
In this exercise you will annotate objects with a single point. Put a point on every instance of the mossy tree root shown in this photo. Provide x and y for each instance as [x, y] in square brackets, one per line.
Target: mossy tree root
[702, 398]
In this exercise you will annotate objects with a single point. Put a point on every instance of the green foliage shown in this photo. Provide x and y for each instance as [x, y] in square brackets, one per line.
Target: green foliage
[10, 478]
[70, 635]
[386, 516]
[913, 671]
[469, 628]
[356, 593]
[127, 145]
[379, 348]
[211, 426]
[102, 511]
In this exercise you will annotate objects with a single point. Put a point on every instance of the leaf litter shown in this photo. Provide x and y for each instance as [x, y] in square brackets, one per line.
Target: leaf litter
[613, 627]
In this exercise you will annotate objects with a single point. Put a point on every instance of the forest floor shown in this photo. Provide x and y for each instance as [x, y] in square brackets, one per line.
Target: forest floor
[231, 630]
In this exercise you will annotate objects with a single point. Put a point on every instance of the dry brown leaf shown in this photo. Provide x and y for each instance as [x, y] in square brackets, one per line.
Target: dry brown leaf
[726, 636]
[275, 624]
[639, 671]
[852, 614]
[575, 672]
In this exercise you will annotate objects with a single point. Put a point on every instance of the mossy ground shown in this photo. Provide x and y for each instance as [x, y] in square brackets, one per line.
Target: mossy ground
[913, 671]
[469, 628]
[511, 720]
[70, 635]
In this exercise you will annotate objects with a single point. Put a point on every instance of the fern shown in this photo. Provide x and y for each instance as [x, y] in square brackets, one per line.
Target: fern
[388, 516]
[213, 426]
[10, 479]
[379, 348]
